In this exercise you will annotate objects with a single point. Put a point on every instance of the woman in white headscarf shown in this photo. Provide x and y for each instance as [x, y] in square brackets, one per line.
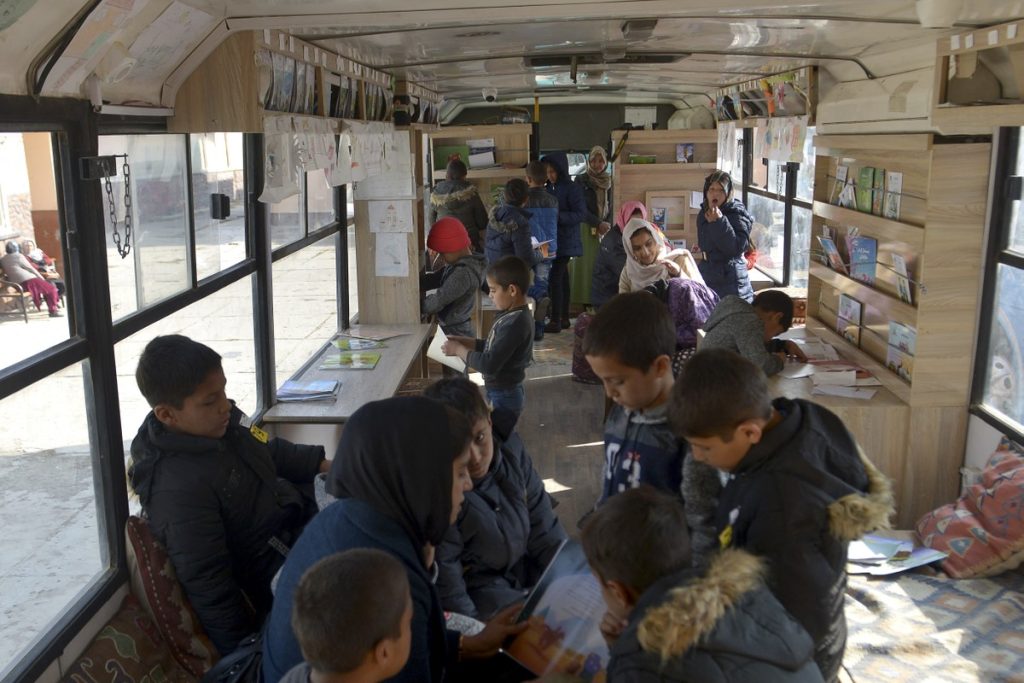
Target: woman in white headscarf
[650, 258]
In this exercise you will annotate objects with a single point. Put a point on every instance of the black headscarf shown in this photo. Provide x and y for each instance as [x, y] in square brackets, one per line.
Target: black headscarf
[396, 455]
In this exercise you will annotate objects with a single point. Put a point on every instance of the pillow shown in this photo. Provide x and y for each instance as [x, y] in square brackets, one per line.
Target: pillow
[156, 586]
[983, 532]
[127, 649]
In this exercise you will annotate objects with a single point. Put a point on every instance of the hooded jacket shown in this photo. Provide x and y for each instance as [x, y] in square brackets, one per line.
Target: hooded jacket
[459, 199]
[608, 266]
[543, 208]
[735, 325]
[508, 234]
[722, 626]
[723, 244]
[215, 504]
[590, 201]
[457, 286]
[571, 206]
[505, 536]
[797, 499]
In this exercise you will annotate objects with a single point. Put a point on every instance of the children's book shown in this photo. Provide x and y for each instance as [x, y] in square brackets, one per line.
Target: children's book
[356, 344]
[865, 186]
[893, 194]
[878, 191]
[684, 152]
[849, 330]
[881, 556]
[899, 264]
[564, 613]
[842, 172]
[832, 254]
[658, 216]
[848, 196]
[351, 360]
[849, 309]
[900, 362]
[903, 337]
[311, 390]
[863, 256]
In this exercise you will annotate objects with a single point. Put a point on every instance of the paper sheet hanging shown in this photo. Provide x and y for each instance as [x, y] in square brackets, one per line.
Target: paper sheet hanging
[391, 254]
[390, 216]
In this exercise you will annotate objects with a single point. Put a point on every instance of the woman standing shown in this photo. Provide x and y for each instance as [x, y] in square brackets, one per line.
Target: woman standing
[723, 233]
[571, 209]
[596, 184]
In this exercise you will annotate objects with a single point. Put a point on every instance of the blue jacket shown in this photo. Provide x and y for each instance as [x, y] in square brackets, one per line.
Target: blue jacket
[346, 524]
[572, 208]
[544, 218]
[723, 244]
[508, 234]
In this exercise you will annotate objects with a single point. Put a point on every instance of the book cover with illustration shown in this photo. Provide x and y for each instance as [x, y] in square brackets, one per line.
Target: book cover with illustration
[308, 390]
[351, 360]
[899, 264]
[903, 337]
[849, 330]
[865, 186]
[900, 362]
[659, 216]
[849, 309]
[840, 184]
[684, 152]
[564, 613]
[354, 344]
[863, 256]
[878, 191]
[893, 195]
[832, 254]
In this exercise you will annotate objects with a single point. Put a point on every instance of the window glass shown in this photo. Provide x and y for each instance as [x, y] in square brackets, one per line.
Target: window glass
[217, 170]
[321, 200]
[158, 256]
[737, 174]
[353, 277]
[805, 177]
[768, 233]
[287, 220]
[50, 549]
[776, 177]
[1004, 376]
[222, 321]
[305, 304]
[799, 252]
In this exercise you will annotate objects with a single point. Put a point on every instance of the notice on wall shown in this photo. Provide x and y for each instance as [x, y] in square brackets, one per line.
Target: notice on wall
[390, 216]
[784, 139]
[727, 146]
[394, 177]
[391, 254]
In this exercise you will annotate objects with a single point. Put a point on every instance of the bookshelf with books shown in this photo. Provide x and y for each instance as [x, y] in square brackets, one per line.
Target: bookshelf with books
[915, 274]
[494, 154]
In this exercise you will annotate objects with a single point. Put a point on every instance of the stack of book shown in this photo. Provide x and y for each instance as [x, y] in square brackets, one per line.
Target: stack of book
[879, 556]
[311, 390]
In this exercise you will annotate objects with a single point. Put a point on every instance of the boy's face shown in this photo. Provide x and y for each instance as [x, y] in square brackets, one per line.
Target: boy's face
[726, 455]
[402, 644]
[461, 482]
[772, 326]
[503, 297]
[481, 449]
[614, 597]
[205, 412]
[631, 388]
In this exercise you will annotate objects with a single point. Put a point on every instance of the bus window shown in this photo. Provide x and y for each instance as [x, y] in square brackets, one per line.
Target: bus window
[217, 168]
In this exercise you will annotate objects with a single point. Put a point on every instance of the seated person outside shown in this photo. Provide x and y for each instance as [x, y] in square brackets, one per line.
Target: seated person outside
[44, 264]
[502, 358]
[508, 230]
[651, 258]
[629, 344]
[400, 475]
[669, 622]
[352, 616]
[799, 489]
[506, 532]
[458, 283]
[19, 270]
[750, 329]
[224, 500]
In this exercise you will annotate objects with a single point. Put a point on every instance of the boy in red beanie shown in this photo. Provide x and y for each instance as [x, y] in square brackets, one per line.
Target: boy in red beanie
[457, 283]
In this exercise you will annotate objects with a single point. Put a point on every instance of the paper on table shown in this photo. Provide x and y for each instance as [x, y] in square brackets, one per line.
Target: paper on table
[434, 352]
[843, 378]
[818, 350]
[797, 370]
[844, 392]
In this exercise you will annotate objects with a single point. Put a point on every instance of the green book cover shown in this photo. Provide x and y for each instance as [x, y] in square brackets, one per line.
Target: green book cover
[353, 344]
[865, 185]
[351, 360]
[445, 153]
[878, 191]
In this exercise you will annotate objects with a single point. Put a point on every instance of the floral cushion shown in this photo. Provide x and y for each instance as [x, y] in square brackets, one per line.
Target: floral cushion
[983, 531]
[156, 586]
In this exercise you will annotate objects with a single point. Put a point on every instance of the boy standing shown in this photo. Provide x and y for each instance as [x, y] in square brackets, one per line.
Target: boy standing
[667, 621]
[502, 358]
[629, 345]
[457, 283]
[222, 497]
[750, 329]
[799, 488]
[543, 207]
[352, 616]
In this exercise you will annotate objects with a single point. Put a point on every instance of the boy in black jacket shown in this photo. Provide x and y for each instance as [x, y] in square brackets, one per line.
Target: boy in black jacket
[222, 497]
[799, 488]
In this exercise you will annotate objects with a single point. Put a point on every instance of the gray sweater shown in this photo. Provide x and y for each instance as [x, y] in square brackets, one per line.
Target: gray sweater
[457, 287]
[734, 325]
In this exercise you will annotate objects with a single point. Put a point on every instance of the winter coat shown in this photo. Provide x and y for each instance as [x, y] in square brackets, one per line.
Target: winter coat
[734, 325]
[798, 498]
[508, 234]
[459, 199]
[571, 206]
[505, 536]
[543, 208]
[502, 358]
[216, 505]
[690, 304]
[723, 244]
[722, 626]
[608, 266]
[351, 523]
[590, 201]
[457, 287]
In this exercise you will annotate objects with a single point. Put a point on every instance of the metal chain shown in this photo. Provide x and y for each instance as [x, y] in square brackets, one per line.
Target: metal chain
[112, 207]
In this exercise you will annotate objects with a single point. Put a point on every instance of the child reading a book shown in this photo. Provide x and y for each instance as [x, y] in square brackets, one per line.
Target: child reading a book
[502, 357]
[226, 501]
[629, 345]
[750, 329]
[352, 616]
[457, 283]
[667, 621]
[799, 490]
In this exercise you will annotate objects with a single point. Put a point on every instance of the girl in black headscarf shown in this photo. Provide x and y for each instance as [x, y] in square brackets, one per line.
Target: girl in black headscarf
[723, 233]
[400, 473]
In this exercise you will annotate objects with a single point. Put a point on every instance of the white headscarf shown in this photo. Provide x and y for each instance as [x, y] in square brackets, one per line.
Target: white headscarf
[640, 275]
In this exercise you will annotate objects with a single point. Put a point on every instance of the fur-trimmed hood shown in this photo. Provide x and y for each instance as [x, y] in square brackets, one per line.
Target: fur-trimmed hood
[856, 514]
[506, 218]
[449, 192]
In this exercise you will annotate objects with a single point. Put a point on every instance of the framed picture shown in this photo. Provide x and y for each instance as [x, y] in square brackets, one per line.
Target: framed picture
[670, 210]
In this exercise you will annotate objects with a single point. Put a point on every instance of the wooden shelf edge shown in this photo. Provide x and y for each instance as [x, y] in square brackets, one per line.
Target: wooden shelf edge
[977, 120]
[876, 225]
[890, 380]
[865, 293]
[496, 172]
[699, 165]
[697, 135]
[896, 142]
[446, 132]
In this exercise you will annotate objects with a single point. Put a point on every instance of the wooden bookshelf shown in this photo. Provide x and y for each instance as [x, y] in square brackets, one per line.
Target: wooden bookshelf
[511, 152]
[875, 226]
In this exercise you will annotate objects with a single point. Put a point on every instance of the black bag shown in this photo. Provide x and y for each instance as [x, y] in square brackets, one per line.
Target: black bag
[241, 666]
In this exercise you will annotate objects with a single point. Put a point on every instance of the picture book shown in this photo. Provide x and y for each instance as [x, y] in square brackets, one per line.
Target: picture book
[903, 337]
[564, 613]
[356, 344]
[893, 194]
[351, 360]
[848, 196]
[832, 255]
[865, 185]
[311, 390]
[899, 264]
[684, 152]
[850, 331]
[264, 77]
[900, 362]
[842, 172]
[863, 256]
[849, 309]
[878, 191]
[658, 216]
[299, 101]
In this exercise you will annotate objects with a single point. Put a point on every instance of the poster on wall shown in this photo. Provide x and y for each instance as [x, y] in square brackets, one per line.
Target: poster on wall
[727, 146]
[783, 139]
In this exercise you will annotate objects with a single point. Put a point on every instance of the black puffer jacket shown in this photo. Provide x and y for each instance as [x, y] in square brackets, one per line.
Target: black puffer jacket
[459, 199]
[797, 499]
[722, 627]
[215, 504]
[611, 259]
[504, 538]
[723, 244]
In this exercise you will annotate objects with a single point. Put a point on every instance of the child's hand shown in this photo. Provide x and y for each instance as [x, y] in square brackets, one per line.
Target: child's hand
[450, 347]
[497, 630]
[793, 349]
[612, 627]
[712, 214]
[603, 228]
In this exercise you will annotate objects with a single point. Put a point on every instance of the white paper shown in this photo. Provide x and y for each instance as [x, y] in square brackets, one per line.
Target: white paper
[434, 352]
[390, 216]
[696, 199]
[993, 36]
[1011, 31]
[954, 42]
[726, 146]
[969, 41]
[818, 350]
[391, 254]
[797, 370]
[843, 392]
[842, 378]
[481, 160]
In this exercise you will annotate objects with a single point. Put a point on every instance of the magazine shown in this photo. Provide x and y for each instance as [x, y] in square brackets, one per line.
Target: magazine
[313, 390]
[564, 612]
[900, 362]
[893, 194]
[849, 309]
[357, 344]
[865, 186]
[863, 256]
[903, 337]
[840, 184]
[899, 264]
[849, 330]
[351, 360]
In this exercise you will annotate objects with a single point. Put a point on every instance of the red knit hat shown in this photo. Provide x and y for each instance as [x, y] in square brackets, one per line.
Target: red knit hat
[448, 235]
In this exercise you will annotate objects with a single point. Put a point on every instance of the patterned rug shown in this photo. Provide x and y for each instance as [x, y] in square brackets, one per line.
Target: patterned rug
[927, 629]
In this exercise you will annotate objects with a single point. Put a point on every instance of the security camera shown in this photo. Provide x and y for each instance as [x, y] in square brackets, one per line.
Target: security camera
[490, 94]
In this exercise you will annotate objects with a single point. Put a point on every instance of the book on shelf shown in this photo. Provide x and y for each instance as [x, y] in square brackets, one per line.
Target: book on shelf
[842, 172]
[849, 309]
[684, 152]
[903, 337]
[900, 362]
[308, 390]
[659, 216]
[899, 264]
[834, 259]
[481, 153]
[642, 159]
[351, 360]
[865, 185]
[849, 330]
[848, 196]
[893, 194]
[863, 257]
[358, 344]
[878, 191]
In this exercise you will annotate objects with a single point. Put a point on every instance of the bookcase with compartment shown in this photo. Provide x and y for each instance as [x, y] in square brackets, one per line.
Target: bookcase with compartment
[938, 234]
[511, 154]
